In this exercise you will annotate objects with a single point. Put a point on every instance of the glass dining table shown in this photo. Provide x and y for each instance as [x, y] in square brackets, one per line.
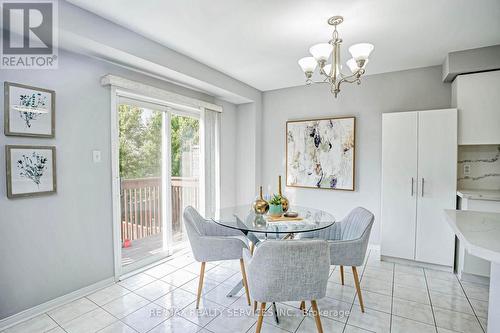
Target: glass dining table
[257, 227]
[245, 219]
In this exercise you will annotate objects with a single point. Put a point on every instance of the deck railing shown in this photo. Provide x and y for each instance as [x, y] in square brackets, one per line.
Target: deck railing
[141, 209]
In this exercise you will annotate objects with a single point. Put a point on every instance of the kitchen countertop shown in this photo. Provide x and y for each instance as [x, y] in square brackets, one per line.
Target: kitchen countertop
[479, 232]
[493, 195]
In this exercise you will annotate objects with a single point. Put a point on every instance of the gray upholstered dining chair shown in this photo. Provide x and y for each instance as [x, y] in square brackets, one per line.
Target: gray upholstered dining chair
[212, 242]
[286, 271]
[348, 241]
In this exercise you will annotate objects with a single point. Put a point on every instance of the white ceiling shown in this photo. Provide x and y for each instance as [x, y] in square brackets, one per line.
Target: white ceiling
[259, 41]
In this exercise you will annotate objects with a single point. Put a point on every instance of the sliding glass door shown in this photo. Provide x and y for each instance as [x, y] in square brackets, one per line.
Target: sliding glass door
[159, 166]
[185, 181]
[141, 178]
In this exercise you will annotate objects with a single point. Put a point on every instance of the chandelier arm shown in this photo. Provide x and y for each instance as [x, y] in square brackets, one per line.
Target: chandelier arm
[355, 76]
[336, 87]
[322, 72]
[351, 79]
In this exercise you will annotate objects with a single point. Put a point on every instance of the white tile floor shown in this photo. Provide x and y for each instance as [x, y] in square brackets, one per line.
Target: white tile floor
[397, 298]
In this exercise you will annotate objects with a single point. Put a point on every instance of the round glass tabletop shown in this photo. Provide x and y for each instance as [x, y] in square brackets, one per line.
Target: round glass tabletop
[245, 219]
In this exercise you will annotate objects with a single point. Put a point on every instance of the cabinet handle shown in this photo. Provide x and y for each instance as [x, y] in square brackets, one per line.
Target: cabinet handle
[412, 180]
[423, 186]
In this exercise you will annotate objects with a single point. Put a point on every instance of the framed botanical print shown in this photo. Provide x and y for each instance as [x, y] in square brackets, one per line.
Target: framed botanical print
[320, 153]
[31, 170]
[29, 111]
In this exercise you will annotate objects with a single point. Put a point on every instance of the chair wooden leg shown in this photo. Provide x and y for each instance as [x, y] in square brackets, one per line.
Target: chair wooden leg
[303, 307]
[254, 306]
[245, 282]
[358, 288]
[261, 317]
[342, 274]
[200, 284]
[316, 316]
[252, 247]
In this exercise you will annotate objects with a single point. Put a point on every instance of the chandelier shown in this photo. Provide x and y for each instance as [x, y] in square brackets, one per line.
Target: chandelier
[332, 74]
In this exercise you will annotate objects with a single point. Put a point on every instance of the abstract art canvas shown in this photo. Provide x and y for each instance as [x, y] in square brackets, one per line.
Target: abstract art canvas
[28, 111]
[31, 170]
[320, 153]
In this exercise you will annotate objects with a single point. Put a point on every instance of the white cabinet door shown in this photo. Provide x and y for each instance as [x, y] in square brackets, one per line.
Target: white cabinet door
[399, 169]
[478, 100]
[437, 167]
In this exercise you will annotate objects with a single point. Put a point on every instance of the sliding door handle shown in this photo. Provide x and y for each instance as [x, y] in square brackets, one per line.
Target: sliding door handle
[412, 191]
[423, 180]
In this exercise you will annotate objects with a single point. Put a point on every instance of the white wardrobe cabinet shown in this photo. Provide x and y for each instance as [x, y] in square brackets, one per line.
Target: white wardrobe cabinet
[419, 156]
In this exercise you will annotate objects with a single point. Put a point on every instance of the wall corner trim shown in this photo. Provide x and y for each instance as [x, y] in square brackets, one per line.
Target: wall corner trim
[153, 92]
[54, 303]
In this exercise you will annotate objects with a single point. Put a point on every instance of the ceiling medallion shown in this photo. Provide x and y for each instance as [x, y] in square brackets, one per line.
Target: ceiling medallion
[332, 74]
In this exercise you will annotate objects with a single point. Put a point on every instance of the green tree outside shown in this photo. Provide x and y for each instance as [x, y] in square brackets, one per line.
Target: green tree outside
[141, 137]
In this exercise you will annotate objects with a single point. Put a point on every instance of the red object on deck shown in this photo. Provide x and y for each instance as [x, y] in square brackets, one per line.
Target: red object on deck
[127, 243]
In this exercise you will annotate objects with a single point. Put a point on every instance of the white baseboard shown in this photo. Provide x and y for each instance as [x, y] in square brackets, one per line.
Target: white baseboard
[54, 303]
[416, 263]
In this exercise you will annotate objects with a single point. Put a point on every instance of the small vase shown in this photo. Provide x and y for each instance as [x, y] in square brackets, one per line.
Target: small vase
[260, 206]
[284, 201]
[275, 210]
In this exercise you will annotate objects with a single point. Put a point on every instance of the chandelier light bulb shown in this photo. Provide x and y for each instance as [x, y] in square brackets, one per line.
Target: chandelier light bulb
[308, 64]
[321, 52]
[361, 51]
[353, 65]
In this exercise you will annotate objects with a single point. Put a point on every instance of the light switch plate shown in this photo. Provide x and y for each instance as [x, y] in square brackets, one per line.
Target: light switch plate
[466, 169]
[96, 156]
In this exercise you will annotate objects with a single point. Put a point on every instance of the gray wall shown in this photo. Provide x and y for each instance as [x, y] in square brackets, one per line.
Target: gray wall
[247, 159]
[417, 89]
[53, 245]
[228, 152]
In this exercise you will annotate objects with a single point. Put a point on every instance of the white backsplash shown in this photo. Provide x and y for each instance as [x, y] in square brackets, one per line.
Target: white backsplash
[484, 162]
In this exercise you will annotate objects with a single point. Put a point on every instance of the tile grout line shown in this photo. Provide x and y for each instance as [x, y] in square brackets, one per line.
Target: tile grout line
[468, 300]
[118, 319]
[176, 288]
[54, 322]
[430, 300]
[392, 294]
[150, 302]
[78, 315]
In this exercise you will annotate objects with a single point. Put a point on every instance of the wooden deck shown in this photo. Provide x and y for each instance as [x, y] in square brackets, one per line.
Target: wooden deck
[146, 246]
[141, 214]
